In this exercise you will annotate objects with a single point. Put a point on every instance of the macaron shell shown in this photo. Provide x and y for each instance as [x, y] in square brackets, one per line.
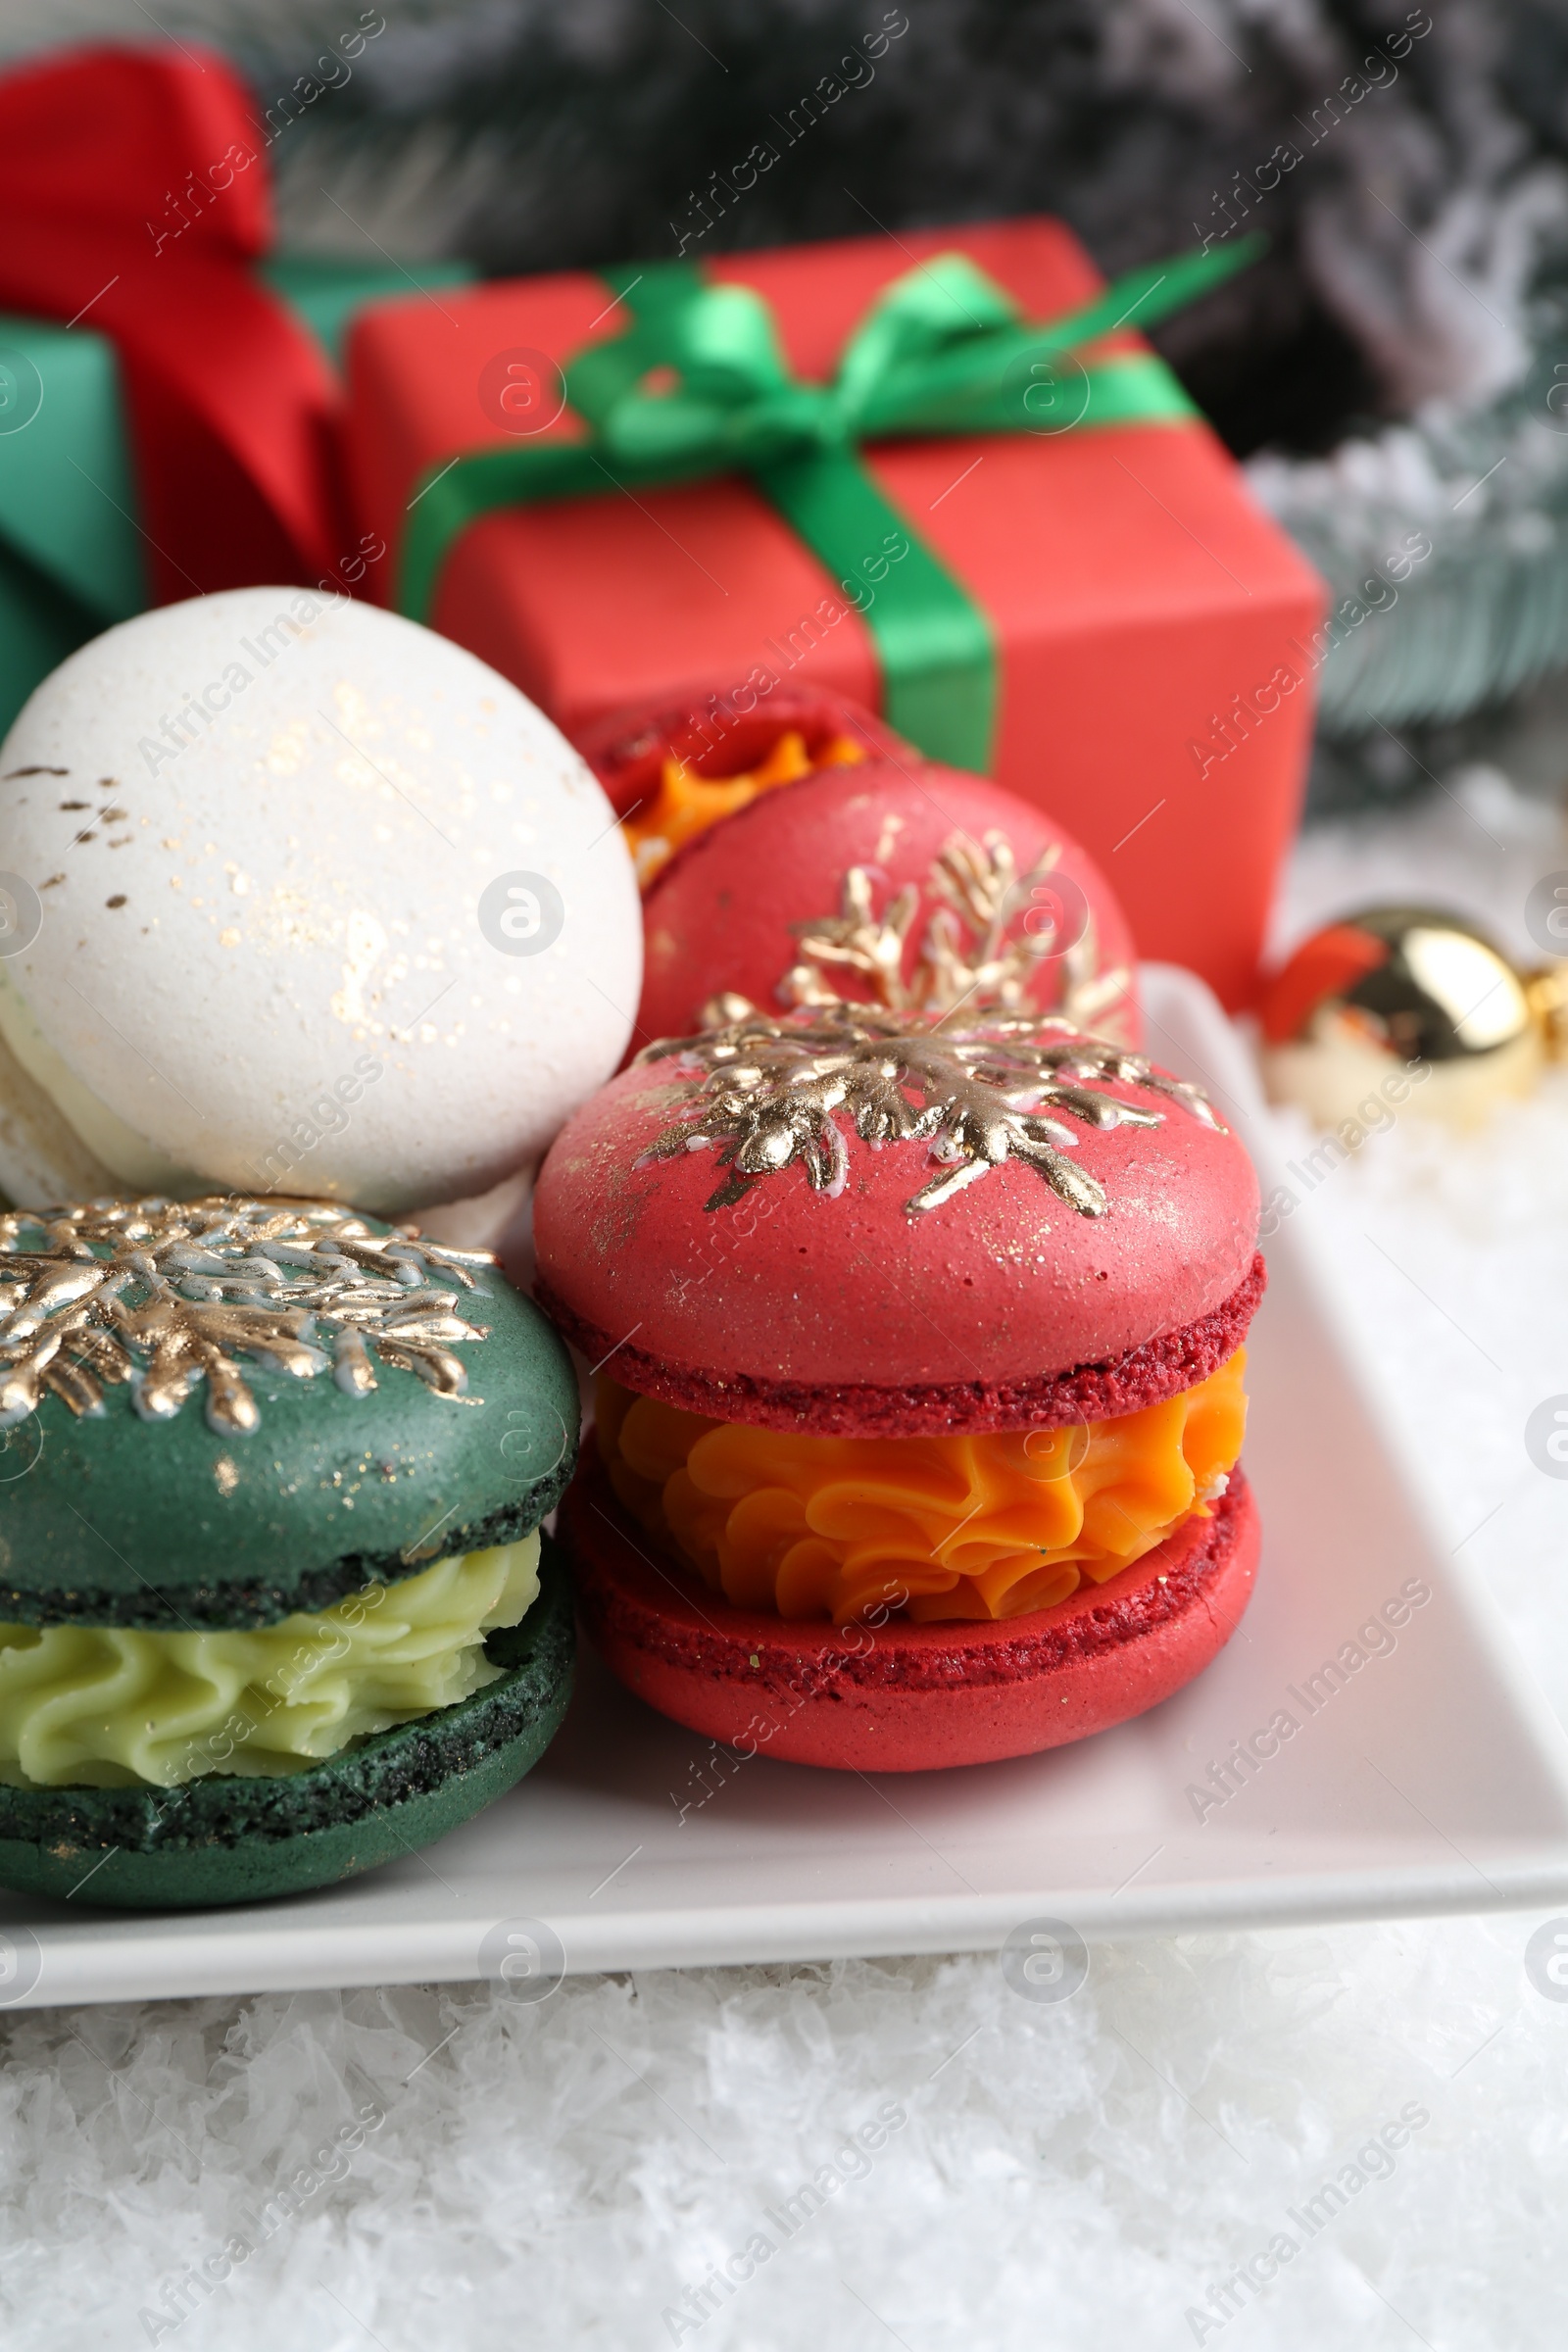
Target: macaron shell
[232, 1839]
[627, 749]
[261, 948]
[722, 913]
[110, 1519]
[905, 1697]
[1002, 1284]
[1097, 1391]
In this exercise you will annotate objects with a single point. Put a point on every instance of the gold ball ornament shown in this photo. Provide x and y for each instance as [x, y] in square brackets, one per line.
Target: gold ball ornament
[1414, 994]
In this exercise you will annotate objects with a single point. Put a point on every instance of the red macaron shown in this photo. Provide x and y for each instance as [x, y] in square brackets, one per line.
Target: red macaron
[919, 1347]
[716, 736]
[802, 853]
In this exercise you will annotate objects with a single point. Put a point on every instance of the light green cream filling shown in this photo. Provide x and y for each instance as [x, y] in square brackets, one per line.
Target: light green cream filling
[106, 1706]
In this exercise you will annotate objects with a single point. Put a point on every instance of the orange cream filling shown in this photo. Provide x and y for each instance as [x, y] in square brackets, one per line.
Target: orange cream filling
[687, 804]
[989, 1526]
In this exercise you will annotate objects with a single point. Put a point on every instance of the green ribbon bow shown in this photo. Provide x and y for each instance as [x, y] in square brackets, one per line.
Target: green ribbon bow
[698, 385]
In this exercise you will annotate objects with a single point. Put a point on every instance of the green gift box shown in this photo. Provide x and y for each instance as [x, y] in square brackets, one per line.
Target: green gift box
[72, 549]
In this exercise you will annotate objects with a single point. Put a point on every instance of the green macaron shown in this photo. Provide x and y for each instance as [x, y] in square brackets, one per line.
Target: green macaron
[274, 1605]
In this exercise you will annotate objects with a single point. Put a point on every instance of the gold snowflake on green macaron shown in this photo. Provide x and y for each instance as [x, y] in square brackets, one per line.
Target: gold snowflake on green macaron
[159, 1294]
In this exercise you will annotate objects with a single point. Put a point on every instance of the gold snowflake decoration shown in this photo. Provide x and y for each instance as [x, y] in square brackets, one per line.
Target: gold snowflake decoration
[159, 1294]
[768, 1092]
[966, 955]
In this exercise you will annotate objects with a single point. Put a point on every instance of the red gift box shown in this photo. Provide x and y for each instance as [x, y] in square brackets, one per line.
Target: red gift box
[1155, 691]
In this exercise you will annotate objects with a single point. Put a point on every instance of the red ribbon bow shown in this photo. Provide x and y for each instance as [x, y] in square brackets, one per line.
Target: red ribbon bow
[104, 153]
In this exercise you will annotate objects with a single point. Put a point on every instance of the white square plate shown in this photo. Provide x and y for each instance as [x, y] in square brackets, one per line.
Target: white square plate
[1429, 1777]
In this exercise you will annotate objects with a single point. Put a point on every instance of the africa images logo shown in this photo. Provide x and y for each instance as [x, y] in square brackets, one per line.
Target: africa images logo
[521, 913]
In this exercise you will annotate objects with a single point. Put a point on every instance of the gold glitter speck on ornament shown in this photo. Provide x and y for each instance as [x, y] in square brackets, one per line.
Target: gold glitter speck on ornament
[157, 1294]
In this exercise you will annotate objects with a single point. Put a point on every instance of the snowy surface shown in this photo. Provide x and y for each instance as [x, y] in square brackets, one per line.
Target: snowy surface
[1046, 2177]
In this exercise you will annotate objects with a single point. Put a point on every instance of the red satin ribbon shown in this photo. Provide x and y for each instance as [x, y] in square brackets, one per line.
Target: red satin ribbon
[229, 399]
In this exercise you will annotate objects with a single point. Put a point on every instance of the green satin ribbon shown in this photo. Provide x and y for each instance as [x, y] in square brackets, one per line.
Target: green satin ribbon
[698, 385]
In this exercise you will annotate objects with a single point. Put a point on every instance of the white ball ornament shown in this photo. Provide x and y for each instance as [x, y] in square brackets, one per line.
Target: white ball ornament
[296, 896]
